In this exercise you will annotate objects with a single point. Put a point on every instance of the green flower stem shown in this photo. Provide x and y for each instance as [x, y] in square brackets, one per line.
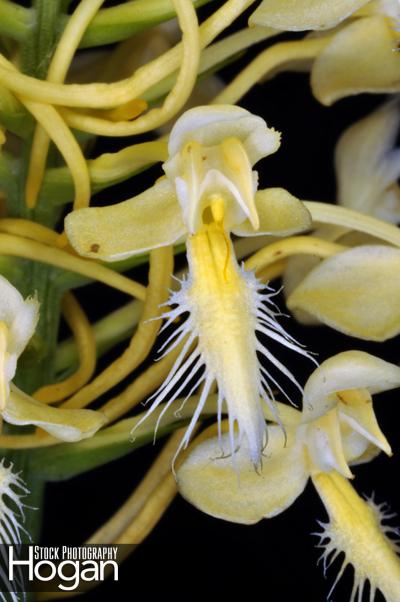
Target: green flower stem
[110, 330]
[36, 364]
[110, 25]
[38, 46]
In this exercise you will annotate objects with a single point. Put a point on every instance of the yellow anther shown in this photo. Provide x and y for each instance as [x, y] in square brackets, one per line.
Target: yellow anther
[234, 154]
[325, 433]
[218, 209]
[3, 358]
[236, 161]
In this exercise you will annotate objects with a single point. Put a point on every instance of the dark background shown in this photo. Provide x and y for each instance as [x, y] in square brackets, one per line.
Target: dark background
[189, 553]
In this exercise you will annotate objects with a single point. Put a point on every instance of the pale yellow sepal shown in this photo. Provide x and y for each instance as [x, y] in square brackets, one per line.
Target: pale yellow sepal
[356, 292]
[150, 220]
[19, 315]
[243, 495]
[367, 166]
[344, 372]
[357, 449]
[66, 425]
[18, 320]
[210, 125]
[279, 213]
[325, 445]
[361, 418]
[360, 58]
[299, 15]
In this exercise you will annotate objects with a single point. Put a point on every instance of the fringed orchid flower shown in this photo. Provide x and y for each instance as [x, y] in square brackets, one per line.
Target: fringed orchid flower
[18, 320]
[363, 36]
[210, 190]
[336, 429]
[356, 291]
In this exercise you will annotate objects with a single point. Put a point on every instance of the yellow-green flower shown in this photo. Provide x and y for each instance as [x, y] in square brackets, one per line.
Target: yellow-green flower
[336, 428]
[210, 190]
[363, 38]
[18, 320]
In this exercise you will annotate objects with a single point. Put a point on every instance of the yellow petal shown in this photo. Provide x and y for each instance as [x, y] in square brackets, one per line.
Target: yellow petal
[210, 125]
[298, 15]
[360, 58]
[357, 449]
[20, 316]
[325, 445]
[279, 212]
[366, 166]
[361, 418]
[357, 292]
[344, 371]
[67, 425]
[150, 220]
[245, 496]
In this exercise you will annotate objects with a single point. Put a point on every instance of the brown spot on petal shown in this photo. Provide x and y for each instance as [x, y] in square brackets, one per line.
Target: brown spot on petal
[94, 248]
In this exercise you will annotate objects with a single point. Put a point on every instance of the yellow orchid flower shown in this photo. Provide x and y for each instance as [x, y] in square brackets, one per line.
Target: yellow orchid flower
[367, 172]
[337, 427]
[360, 54]
[18, 320]
[210, 190]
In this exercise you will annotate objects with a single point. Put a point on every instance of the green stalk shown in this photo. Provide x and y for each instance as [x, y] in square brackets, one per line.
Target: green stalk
[36, 365]
[109, 26]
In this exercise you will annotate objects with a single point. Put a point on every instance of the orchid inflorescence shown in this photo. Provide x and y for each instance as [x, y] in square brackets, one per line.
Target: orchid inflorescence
[217, 316]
